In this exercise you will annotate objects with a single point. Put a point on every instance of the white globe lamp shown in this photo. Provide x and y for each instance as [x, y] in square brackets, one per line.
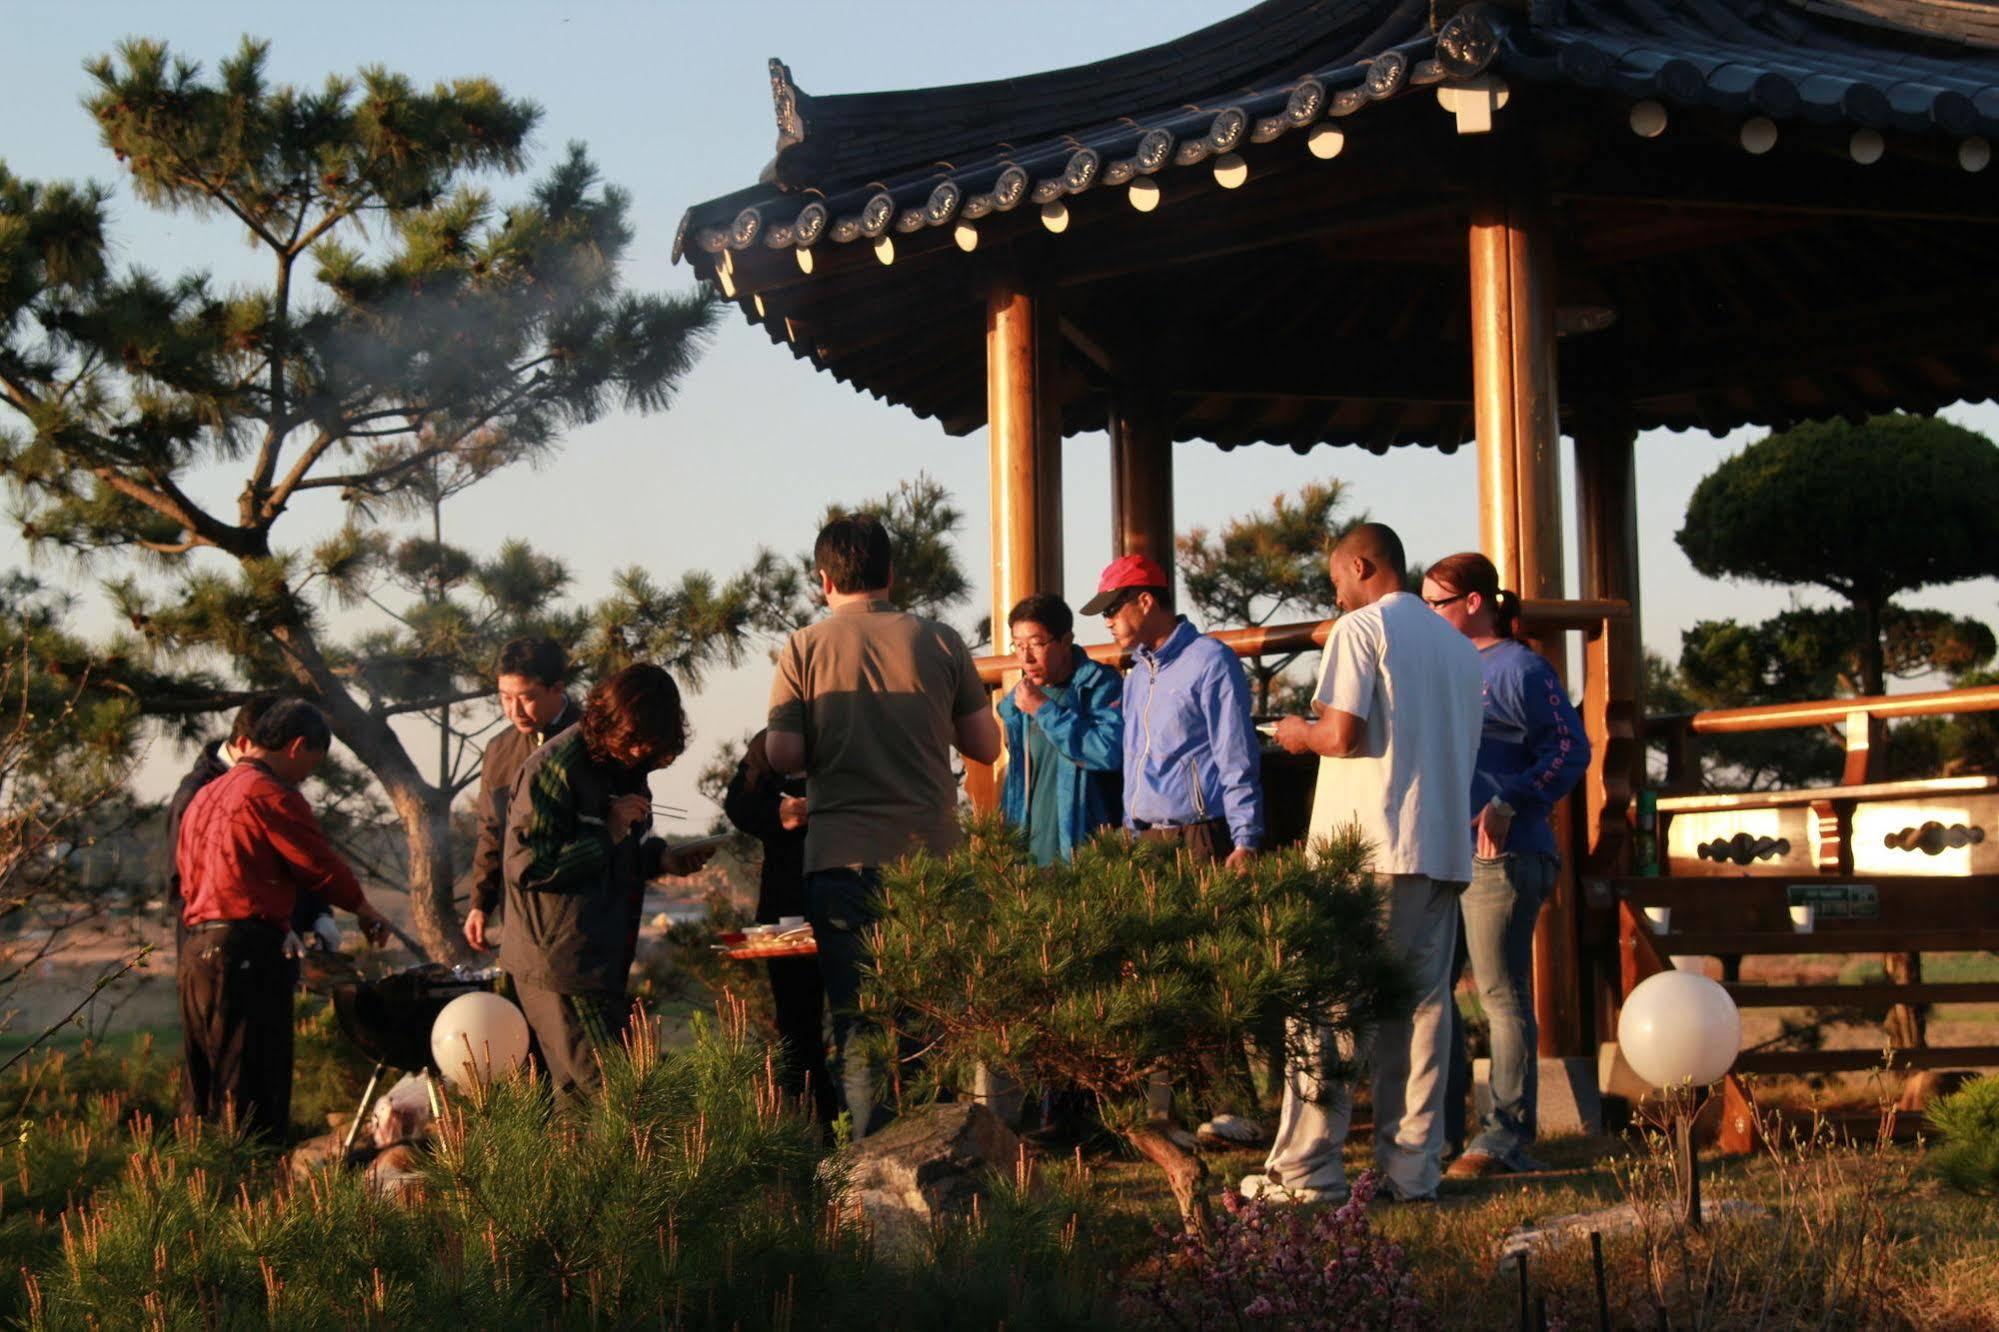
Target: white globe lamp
[1680, 1031]
[477, 1035]
[1679, 1028]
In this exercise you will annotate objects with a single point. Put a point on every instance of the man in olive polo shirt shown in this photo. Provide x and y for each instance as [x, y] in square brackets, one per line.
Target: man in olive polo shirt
[868, 703]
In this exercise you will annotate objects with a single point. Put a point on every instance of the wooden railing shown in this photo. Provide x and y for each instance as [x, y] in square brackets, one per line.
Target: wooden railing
[1269, 640]
[1735, 908]
[1863, 719]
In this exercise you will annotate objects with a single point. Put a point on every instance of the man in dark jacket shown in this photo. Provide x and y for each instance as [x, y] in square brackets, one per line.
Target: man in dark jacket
[311, 917]
[579, 850]
[771, 807]
[530, 675]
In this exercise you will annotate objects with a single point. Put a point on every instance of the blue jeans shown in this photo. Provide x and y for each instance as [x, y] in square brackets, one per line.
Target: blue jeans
[1500, 908]
[841, 905]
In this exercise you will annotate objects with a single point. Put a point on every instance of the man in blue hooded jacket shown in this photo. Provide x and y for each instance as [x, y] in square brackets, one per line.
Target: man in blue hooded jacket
[1064, 735]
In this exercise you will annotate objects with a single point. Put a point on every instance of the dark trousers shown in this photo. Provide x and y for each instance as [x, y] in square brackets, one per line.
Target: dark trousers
[236, 1025]
[841, 904]
[1209, 841]
[799, 997]
[572, 1031]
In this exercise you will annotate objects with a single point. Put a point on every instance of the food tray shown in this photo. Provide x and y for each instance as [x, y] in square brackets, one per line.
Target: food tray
[733, 943]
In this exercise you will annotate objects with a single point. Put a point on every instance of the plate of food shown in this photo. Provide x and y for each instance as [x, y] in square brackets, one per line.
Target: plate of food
[763, 941]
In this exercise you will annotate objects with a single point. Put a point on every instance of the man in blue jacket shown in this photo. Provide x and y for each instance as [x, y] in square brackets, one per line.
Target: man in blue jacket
[1192, 763]
[1064, 734]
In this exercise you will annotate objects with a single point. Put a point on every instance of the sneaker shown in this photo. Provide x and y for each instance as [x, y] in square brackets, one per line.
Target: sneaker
[1477, 1165]
[1270, 1190]
[1480, 1165]
[1232, 1131]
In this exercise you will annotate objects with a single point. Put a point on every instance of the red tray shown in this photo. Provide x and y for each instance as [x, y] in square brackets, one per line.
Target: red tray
[809, 948]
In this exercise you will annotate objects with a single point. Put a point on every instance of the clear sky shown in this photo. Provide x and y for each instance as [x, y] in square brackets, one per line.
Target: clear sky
[673, 101]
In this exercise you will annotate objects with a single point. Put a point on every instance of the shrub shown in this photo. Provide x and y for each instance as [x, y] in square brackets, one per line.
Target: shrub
[1968, 1120]
[688, 1194]
[1129, 963]
[1282, 1266]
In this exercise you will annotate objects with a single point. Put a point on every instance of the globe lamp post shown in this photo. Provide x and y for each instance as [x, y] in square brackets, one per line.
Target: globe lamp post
[1680, 1032]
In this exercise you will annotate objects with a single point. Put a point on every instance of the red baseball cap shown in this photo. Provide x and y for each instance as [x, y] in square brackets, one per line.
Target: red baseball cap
[1126, 571]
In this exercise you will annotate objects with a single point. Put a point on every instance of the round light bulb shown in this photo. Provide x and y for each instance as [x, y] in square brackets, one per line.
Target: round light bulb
[1679, 1027]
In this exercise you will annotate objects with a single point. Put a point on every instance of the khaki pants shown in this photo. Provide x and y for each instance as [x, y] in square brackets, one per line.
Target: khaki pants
[1408, 1060]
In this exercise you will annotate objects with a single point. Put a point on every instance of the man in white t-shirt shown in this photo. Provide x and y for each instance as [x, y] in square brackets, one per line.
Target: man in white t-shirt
[1400, 708]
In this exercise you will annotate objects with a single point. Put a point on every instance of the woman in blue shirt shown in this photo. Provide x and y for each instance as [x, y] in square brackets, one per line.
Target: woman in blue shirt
[1531, 753]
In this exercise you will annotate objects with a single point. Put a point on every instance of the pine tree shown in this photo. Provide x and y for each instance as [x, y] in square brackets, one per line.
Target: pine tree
[1129, 963]
[413, 331]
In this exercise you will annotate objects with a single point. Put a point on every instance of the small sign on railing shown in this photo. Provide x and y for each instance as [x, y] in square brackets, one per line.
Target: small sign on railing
[1836, 901]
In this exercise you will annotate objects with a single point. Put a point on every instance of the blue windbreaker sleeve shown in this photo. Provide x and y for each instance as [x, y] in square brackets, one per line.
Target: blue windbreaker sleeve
[1238, 756]
[1557, 750]
[1093, 736]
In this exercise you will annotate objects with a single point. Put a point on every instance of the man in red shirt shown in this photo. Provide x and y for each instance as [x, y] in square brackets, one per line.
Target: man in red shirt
[248, 845]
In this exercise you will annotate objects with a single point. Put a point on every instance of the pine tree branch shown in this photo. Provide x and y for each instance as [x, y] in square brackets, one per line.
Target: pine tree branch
[191, 519]
[462, 696]
[369, 481]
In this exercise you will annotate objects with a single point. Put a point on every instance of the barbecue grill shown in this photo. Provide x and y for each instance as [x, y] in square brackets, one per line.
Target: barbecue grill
[389, 1018]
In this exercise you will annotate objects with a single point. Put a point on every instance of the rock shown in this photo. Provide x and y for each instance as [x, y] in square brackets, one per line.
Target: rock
[1557, 1232]
[1614, 1076]
[315, 1154]
[394, 1171]
[926, 1168]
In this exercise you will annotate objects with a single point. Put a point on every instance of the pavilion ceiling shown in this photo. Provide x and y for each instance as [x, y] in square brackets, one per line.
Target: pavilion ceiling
[1261, 227]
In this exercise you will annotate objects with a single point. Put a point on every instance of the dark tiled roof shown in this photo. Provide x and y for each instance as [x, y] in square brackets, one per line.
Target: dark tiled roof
[901, 172]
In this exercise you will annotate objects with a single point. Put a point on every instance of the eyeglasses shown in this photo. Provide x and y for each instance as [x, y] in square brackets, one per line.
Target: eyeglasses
[1123, 599]
[1442, 602]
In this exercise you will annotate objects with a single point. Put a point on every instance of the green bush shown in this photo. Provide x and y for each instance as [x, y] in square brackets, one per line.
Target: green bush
[1128, 964]
[1968, 1120]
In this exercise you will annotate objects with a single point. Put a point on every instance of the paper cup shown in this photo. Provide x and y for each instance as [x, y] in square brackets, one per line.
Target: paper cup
[1804, 918]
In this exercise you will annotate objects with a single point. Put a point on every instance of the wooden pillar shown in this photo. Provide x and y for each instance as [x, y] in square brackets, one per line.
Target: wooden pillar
[1141, 481]
[1024, 416]
[1520, 523]
[1026, 451]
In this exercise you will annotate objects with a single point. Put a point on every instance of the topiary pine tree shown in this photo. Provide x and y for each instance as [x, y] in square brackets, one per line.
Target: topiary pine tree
[1264, 565]
[1866, 511]
[1128, 964]
[409, 323]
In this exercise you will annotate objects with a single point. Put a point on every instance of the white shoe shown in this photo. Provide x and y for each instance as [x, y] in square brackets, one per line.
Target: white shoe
[1232, 1131]
[1270, 1190]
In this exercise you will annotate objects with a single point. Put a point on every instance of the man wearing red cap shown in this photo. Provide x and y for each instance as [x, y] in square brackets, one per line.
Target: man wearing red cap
[1192, 766]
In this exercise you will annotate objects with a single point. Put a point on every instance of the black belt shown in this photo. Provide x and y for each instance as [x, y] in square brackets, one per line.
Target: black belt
[208, 925]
